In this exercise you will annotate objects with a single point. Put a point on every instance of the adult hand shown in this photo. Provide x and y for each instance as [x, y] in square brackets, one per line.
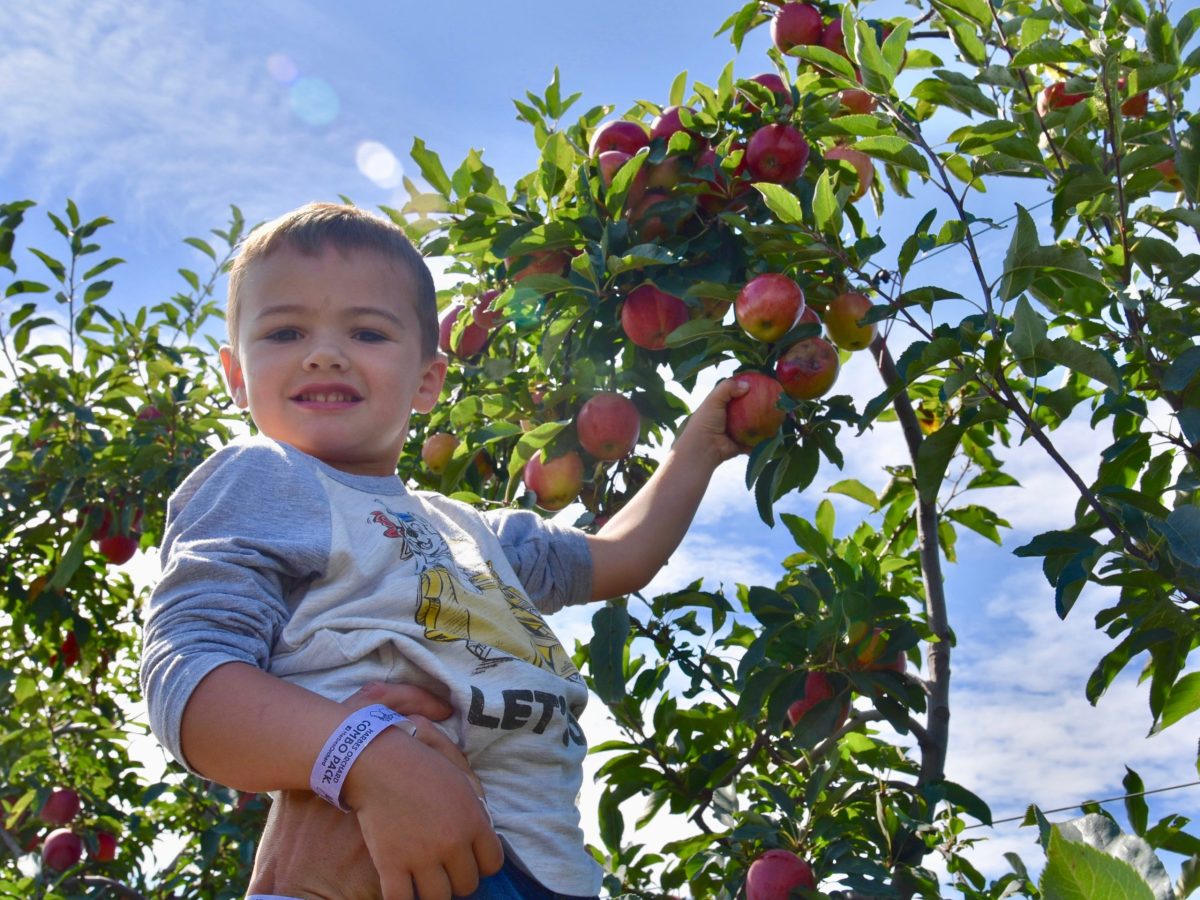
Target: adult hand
[311, 850]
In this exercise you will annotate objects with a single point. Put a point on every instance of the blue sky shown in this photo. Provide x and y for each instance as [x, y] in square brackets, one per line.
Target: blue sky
[161, 114]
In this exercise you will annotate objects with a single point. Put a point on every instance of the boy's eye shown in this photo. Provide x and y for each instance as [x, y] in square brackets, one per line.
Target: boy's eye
[370, 335]
[280, 335]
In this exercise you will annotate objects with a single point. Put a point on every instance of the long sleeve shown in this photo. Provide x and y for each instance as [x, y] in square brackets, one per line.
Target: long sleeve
[244, 530]
[553, 562]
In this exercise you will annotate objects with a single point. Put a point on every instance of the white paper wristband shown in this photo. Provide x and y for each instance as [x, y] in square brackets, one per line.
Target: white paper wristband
[269, 897]
[344, 746]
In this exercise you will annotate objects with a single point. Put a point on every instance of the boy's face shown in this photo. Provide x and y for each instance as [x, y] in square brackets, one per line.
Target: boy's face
[329, 356]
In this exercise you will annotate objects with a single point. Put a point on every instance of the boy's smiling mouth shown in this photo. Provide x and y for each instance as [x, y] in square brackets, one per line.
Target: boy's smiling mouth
[327, 395]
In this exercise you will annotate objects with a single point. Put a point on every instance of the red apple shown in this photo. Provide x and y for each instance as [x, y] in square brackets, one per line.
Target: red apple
[649, 315]
[610, 162]
[119, 548]
[768, 306]
[608, 426]
[667, 124]
[628, 137]
[796, 25]
[664, 175]
[776, 153]
[437, 451]
[61, 807]
[483, 314]
[808, 368]
[148, 413]
[869, 654]
[68, 652]
[1055, 96]
[856, 101]
[106, 847]
[754, 416]
[469, 342]
[541, 262]
[62, 849]
[862, 164]
[1171, 179]
[556, 482]
[775, 84]
[725, 190]
[841, 321]
[1136, 106]
[775, 874]
[833, 39]
[817, 688]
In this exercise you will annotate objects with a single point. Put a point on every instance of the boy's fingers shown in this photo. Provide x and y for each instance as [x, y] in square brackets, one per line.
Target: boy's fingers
[396, 886]
[405, 699]
[489, 855]
[432, 884]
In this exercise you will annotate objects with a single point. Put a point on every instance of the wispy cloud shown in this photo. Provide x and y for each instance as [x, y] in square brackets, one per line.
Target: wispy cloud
[133, 101]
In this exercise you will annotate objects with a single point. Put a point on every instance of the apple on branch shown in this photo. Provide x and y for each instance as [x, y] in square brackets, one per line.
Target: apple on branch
[817, 689]
[842, 321]
[62, 850]
[471, 339]
[556, 482]
[808, 369]
[61, 807]
[539, 262]
[438, 450]
[776, 873]
[796, 25]
[862, 164]
[608, 426]
[776, 153]
[628, 137]
[649, 315]
[768, 306]
[754, 416]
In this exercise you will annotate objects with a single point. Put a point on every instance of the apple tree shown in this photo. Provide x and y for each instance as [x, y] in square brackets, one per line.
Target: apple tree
[615, 264]
[797, 730]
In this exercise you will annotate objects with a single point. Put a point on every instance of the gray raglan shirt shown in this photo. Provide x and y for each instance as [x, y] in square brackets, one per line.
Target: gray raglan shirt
[331, 580]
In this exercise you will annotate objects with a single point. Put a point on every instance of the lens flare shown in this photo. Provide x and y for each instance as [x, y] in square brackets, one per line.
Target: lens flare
[281, 68]
[313, 100]
[379, 164]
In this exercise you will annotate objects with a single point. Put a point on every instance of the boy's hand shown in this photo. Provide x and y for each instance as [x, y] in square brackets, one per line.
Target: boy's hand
[422, 819]
[703, 435]
[309, 849]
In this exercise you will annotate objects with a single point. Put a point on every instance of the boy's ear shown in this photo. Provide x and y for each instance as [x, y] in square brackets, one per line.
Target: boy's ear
[430, 387]
[233, 377]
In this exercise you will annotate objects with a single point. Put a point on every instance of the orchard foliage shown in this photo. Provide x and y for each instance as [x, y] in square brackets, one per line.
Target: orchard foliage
[1090, 315]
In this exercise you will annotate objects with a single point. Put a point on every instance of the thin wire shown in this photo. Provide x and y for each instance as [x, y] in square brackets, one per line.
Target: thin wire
[991, 226]
[1021, 818]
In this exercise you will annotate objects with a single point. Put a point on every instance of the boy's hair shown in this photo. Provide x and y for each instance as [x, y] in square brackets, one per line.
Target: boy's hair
[315, 226]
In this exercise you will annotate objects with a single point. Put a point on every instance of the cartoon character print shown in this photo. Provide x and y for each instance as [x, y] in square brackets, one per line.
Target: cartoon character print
[494, 620]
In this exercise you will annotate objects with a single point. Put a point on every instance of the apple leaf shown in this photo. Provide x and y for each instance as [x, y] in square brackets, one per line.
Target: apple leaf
[606, 652]
[1182, 531]
[782, 202]
[856, 490]
[933, 458]
[530, 443]
[826, 59]
[1182, 370]
[1048, 50]
[977, 11]
[826, 212]
[678, 89]
[1076, 871]
[431, 167]
[1087, 361]
[894, 150]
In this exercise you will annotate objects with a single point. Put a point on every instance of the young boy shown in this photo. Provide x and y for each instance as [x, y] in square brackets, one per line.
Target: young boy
[297, 567]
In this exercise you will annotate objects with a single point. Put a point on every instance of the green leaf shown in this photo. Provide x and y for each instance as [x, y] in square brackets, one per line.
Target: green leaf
[933, 458]
[782, 202]
[1136, 808]
[1182, 531]
[826, 59]
[606, 652]
[1024, 241]
[431, 167]
[1068, 352]
[856, 490]
[826, 212]
[1075, 871]
[1029, 331]
[895, 150]
[807, 537]
[1049, 50]
[1182, 370]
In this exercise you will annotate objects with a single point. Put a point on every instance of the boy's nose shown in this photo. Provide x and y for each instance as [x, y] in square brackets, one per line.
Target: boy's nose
[326, 355]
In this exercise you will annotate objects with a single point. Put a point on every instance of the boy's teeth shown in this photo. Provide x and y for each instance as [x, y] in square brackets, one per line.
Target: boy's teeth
[328, 398]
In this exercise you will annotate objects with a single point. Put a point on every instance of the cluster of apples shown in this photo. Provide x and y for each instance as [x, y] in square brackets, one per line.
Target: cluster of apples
[63, 847]
[767, 308]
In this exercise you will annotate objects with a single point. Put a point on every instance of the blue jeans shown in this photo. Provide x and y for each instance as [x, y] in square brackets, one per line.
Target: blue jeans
[510, 883]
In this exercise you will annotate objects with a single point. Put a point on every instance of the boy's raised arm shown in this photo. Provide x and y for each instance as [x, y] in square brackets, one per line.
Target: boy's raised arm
[632, 546]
